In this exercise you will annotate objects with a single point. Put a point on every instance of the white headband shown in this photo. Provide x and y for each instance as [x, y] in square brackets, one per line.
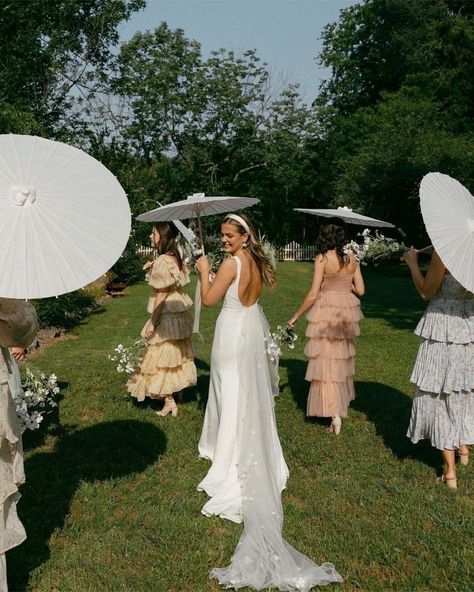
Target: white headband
[241, 221]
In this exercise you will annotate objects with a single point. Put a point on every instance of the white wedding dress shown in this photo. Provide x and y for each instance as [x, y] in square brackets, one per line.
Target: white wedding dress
[248, 471]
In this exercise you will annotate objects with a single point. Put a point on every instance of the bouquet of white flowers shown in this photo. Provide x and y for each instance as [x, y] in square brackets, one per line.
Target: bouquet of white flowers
[128, 358]
[35, 398]
[375, 247]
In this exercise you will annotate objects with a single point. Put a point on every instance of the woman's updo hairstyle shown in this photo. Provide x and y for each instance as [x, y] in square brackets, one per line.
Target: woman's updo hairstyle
[168, 241]
[333, 235]
[253, 246]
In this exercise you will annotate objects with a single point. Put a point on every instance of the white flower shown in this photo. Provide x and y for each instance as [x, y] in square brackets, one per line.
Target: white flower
[35, 399]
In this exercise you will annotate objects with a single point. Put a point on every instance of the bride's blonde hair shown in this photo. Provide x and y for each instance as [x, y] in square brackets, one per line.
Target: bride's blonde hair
[265, 268]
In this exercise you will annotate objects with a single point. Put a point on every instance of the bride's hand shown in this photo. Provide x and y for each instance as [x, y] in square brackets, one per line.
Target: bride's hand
[202, 265]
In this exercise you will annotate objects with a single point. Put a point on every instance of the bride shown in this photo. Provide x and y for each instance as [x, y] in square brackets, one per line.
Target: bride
[239, 436]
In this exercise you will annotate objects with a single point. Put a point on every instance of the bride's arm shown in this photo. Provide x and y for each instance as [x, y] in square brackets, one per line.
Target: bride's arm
[212, 293]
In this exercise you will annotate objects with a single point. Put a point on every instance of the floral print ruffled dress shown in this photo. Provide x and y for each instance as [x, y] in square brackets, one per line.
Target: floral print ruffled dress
[168, 365]
[443, 406]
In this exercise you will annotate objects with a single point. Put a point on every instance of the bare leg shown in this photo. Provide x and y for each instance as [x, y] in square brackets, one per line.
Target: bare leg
[449, 473]
[463, 453]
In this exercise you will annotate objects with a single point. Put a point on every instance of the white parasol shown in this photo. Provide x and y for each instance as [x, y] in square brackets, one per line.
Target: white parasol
[197, 205]
[348, 216]
[447, 208]
[64, 218]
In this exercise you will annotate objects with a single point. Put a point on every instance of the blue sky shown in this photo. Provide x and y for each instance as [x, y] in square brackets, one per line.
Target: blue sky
[285, 33]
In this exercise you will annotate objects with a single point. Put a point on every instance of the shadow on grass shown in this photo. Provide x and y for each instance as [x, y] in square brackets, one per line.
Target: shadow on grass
[296, 370]
[391, 296]
[201, 391]
[98, 453]
[389, 410]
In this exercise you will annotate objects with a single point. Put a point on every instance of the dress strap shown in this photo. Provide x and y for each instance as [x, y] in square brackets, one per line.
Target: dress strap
[239, 269]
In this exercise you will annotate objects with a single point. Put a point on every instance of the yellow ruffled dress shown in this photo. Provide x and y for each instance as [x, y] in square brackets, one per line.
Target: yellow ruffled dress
[168, 365]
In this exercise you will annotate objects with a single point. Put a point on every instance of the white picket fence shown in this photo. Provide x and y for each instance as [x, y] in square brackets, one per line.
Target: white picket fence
[145, 251]
[291, 252]
[295, 252]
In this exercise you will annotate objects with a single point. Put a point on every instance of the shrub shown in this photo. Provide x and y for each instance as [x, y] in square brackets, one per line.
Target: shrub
[66, 310]
[129, 268]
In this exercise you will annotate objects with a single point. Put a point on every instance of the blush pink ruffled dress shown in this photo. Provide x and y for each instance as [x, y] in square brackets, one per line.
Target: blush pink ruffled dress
[333, 325]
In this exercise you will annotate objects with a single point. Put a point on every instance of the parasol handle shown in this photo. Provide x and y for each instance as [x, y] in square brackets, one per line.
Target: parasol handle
[200, 233]
[424, 249]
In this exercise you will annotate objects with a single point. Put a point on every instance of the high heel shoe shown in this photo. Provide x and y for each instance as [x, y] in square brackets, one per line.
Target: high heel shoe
[451, 483]
[168, 408]
[336, 425]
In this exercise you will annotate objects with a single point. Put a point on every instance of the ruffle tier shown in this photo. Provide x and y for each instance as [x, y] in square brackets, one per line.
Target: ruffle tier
[330, 369]
[343, 307]
[444, 367]
[327, 399]
[448, 321]
[332, 329]
[339, 349]
[176, 301]
[172, 327]
[162, 382]
[446, 420]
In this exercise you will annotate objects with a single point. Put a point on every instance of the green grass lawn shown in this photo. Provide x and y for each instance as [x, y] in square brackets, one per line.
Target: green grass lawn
[110, 502]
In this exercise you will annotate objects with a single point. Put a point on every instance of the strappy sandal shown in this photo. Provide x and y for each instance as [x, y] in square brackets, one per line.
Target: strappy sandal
[335, 426]
[168, 408]
[451, 483]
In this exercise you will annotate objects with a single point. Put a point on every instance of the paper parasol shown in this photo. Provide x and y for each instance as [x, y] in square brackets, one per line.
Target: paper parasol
[197, 206]
[447, 208]
[348, 216]
[64, 218]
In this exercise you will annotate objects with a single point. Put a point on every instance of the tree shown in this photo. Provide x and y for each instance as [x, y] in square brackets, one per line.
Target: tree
[400, 103]
[48, 51]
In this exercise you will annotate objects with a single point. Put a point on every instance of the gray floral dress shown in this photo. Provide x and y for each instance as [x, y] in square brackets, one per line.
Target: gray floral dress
[443, 406]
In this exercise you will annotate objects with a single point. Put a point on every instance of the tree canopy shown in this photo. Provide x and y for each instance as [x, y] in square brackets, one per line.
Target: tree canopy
[168, 121]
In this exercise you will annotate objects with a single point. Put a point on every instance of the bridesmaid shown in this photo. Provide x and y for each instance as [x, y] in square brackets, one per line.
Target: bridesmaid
[168, 366]
[18, 327]
[334, 313]
[443, 406]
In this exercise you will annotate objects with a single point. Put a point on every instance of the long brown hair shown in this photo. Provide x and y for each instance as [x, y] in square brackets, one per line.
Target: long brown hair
[168, 243]
[333, 235]
[265, 268]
